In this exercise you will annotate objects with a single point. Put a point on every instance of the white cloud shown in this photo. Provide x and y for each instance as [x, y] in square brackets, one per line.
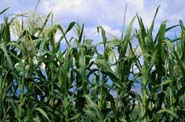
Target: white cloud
[112, 32]
[104, 12]
[90, 11]
[101, 12]
[136, 4]
[64, 6]
[173, 10]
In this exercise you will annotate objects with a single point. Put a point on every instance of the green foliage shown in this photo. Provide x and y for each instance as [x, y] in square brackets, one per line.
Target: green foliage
[43, 80]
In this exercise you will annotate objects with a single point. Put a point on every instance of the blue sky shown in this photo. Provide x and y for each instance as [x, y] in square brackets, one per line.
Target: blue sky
[107, 13]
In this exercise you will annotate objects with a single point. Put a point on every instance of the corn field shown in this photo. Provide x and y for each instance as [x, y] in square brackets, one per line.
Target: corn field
[43, 79]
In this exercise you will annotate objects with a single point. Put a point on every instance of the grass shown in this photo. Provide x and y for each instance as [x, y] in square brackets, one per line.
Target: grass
[39, 81]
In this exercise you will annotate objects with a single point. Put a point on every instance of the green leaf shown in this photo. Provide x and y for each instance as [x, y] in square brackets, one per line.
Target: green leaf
[2, 46]
[165, 82]
[153, 21]
[70, 27]
[100, 28]
[92, 110]
[36, 119]
[43, 113]
[161, 33]
[81, 34]
[105, 68]
[44, 24]
[164, 110]
[75, 117]
[123, 47]
[181, 91]
[1, 12]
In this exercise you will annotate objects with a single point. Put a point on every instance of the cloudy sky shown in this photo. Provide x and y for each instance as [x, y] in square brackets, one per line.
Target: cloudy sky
[108, 13]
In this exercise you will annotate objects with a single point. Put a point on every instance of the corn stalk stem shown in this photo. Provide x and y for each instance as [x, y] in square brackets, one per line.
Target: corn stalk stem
[144, 92]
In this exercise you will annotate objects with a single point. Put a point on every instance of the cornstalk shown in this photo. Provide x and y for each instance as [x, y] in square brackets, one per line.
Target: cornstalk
[144, 92]
[21, 97]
